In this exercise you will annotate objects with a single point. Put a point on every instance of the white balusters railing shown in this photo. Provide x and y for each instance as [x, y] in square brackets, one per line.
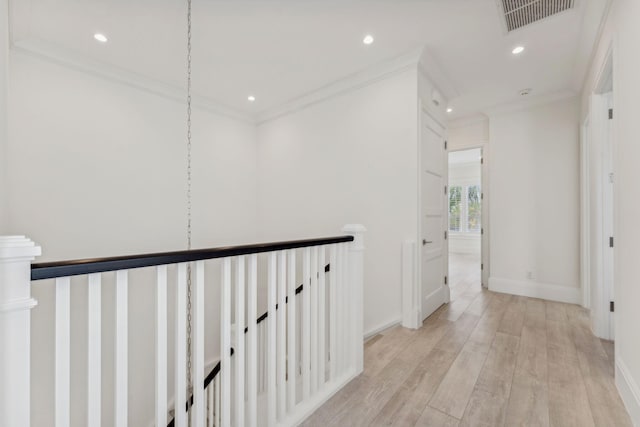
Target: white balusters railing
[161, 410]
[239, 344]
[197, 374]
[252, 343]
[292, 359]
[271, 341]
[306, 325]
[273, 370]
[322, 339]
[281, 352]
[333, 312]
[94, 351]
[62, 344]
[180, 329]
[121, 349]
[314, 319]
[225, 344]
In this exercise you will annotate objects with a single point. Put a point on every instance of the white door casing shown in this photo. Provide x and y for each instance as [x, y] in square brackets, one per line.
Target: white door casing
[585, 221]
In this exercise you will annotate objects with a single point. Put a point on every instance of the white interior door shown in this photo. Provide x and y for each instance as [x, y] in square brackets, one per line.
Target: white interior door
[433, 216]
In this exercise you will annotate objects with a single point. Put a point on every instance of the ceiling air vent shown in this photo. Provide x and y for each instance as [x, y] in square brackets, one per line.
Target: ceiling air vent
[519, 13]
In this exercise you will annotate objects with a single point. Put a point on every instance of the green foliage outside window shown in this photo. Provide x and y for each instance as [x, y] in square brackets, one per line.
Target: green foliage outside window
[455, 208]
[474, 207]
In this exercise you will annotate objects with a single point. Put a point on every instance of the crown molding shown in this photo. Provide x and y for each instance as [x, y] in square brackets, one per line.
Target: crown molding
[66, 58]
[433, 71]
[591, 44]
[417, 59]
[530, 102]
[353, 82]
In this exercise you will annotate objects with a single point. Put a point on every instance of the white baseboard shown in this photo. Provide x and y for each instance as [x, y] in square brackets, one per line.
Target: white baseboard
[304, 409]
[382, 327]
[629, 391]
[533, 289]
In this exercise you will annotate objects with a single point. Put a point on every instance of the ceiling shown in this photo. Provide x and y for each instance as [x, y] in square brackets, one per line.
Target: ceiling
[281, 50]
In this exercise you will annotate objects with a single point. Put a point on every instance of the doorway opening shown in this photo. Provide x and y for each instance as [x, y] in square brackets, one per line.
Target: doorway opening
[465, 223]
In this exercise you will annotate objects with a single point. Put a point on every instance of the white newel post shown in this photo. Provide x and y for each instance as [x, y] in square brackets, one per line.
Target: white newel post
[356, 285]
[16, 254]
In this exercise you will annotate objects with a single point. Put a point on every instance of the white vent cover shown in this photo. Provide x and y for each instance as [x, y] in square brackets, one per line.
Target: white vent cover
[519, 13]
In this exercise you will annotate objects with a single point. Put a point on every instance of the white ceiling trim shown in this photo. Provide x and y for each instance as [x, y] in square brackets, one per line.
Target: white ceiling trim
[345, 85]
[432, 70]
[63, 57]
[595, 10]
[529, 102]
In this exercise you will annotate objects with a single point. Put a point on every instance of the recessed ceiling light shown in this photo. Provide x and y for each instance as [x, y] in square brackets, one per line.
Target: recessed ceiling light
[251, 98]
[368, 39]
[100, 37]
[517, 50]
[449, 110]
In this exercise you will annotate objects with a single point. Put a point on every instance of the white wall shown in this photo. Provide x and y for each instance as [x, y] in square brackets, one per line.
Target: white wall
[469, 133]
[97, 168]
[107, 163]
[4, 66]
[534, 179]
[349, 159]
[465, 244]
[622, 31]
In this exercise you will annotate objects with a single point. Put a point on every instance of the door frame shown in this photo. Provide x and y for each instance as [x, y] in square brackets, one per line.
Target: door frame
[484, 183]
[599, 138]
[585, 214]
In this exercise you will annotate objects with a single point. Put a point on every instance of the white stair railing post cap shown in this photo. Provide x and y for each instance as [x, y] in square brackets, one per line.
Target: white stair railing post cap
[357, 231]
[16, 254]
[17, 248]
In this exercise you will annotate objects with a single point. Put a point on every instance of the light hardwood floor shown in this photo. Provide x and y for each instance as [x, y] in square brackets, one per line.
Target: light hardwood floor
[485, 359]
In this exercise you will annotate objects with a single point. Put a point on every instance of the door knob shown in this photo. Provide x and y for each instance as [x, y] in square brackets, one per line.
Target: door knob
[424, 242]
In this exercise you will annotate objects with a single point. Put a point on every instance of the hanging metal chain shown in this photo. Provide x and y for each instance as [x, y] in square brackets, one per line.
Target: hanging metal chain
[189, 382]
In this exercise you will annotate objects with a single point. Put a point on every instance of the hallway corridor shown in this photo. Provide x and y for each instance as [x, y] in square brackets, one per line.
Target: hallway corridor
[485, 359]
[465, 277]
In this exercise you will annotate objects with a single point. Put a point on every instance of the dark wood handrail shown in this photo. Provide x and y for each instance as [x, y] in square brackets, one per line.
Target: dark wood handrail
[51, 270]
[216, 369]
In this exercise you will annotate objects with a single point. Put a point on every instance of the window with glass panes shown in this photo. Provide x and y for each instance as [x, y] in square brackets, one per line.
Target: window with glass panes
[465, 207]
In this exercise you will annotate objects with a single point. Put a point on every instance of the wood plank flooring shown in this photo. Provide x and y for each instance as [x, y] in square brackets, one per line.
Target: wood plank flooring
[490, 360]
